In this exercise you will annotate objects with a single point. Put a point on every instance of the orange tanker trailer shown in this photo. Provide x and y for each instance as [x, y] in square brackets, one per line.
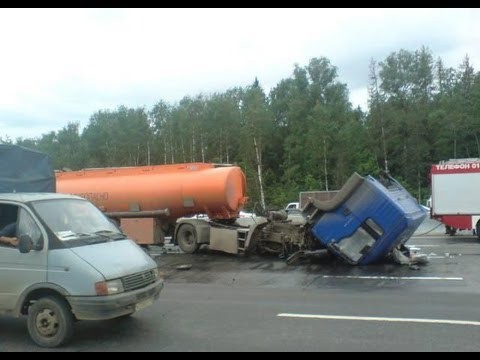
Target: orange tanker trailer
[147, 200]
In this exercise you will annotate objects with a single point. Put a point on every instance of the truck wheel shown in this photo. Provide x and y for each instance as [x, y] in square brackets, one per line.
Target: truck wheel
[477, 229]
[187, 238]
[452, 231]
[50, 322]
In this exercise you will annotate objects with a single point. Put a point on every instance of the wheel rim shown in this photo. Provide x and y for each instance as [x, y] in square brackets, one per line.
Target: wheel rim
[47, 323]
[189, 238]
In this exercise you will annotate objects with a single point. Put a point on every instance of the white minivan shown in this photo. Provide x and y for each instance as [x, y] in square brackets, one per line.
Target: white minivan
[71, 263]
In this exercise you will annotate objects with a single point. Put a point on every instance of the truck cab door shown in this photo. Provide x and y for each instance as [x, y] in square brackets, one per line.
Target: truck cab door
[19, 271]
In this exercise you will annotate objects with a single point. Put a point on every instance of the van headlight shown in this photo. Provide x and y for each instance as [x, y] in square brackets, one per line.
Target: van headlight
[155, 273]
[111, 287]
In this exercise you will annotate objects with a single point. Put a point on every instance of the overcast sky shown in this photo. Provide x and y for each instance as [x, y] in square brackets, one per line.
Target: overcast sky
[62, 65]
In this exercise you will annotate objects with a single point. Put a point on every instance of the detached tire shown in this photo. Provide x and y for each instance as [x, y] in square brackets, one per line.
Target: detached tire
[50, 322]
[187, 239]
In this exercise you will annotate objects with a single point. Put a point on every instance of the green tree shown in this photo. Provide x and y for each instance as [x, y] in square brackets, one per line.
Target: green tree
[257, 122]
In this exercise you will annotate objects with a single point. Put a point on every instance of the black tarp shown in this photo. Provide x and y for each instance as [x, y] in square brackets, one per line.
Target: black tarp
[25, 170]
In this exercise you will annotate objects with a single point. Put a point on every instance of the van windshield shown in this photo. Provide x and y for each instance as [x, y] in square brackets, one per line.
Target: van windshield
[73, 219]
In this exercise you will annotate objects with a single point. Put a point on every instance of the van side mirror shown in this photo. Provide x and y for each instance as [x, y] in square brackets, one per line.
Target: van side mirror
[25, 244]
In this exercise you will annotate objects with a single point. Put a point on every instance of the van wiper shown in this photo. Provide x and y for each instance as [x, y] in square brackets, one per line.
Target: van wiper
[71, 235]
[113, 235]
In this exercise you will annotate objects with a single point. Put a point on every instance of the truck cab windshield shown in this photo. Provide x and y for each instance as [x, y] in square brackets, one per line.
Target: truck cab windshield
[75, 220]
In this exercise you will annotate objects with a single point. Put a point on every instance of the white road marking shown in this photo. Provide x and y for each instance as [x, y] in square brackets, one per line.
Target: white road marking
[393, 277]
[384, 319]
[420, 245]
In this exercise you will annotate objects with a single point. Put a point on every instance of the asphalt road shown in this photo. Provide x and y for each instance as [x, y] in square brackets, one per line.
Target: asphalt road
[232, 303]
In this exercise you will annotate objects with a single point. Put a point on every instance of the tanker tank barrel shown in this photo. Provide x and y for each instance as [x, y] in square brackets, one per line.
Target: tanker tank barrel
[182, 189]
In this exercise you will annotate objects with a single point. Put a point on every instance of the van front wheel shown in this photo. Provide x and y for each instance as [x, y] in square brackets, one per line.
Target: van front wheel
[50, 322]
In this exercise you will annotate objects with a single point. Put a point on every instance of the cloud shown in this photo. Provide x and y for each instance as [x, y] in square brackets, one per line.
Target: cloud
[62, 65]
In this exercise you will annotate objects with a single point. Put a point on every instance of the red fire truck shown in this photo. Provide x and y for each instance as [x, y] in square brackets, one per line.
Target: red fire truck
[455, 195]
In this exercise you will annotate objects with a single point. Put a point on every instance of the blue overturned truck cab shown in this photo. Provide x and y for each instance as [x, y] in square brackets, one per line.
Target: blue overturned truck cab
[366, 220]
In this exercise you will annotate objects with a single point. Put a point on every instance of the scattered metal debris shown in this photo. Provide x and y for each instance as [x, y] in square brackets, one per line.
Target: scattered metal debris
[409, 256]
[184, 267]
